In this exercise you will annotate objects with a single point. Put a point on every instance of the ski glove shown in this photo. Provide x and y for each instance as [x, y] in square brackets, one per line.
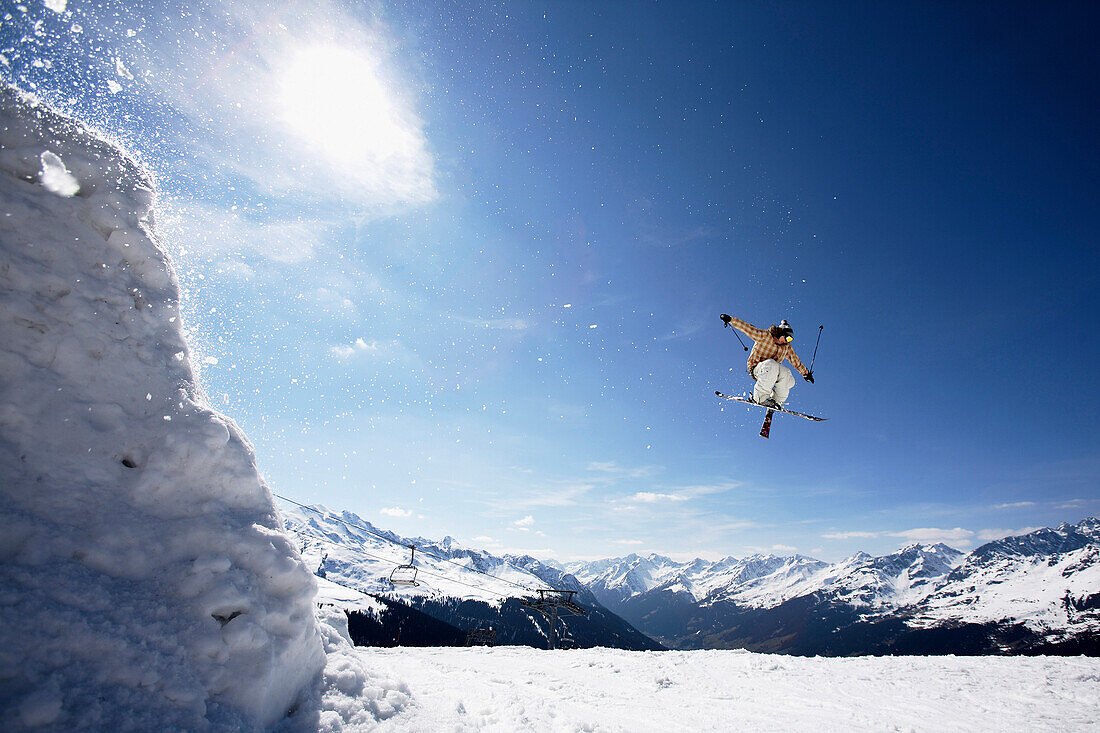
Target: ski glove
[810, 377]
[725, 319]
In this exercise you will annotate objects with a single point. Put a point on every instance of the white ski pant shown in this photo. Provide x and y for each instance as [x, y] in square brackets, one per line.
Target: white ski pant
[772, 380]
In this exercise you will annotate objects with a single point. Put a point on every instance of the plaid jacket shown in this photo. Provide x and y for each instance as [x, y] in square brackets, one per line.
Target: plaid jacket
[764, 347]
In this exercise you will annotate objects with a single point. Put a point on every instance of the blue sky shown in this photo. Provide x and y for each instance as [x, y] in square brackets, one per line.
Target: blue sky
[458, 268]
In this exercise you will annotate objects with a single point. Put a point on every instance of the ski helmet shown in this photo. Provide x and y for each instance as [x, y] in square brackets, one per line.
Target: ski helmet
[783, 331]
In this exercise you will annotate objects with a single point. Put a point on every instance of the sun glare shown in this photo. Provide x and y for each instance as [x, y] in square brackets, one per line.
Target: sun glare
[335, 100]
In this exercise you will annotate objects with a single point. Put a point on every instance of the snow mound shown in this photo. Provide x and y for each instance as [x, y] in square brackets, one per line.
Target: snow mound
[351, 696]
[146, 581]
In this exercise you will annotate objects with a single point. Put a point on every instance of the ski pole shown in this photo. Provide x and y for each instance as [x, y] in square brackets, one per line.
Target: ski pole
[819, 329]
[727, 325]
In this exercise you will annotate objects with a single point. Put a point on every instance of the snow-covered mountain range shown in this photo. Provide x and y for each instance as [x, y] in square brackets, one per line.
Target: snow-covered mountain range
[1039, 591]
[761, 581]
[462, 587]
[1036, 591]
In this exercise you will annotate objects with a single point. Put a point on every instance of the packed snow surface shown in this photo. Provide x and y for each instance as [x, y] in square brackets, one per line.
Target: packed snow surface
[513, 689]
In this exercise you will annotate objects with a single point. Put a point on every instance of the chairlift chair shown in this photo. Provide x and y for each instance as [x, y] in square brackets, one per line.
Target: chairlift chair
[405, 575]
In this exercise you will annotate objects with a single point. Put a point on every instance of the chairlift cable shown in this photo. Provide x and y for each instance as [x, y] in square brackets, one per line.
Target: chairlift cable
[422, 571]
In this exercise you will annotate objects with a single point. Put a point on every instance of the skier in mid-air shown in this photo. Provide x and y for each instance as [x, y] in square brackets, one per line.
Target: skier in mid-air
[770, 348]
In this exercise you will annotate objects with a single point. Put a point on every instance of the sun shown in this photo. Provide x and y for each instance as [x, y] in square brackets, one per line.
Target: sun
[336, 100]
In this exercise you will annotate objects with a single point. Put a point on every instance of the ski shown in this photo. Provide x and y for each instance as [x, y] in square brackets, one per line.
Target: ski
[767, 420]
[766, 428]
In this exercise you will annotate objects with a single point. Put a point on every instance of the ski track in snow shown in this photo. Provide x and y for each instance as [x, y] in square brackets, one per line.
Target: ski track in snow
[514, 688]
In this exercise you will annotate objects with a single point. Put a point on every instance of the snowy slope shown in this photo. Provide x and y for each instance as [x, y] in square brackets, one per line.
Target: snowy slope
[1049, 580]
[349, 549]
[517, 689]
[145, 579]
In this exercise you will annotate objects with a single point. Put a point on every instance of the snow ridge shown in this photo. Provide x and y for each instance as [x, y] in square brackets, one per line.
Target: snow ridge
[145, 580]
[764, 581]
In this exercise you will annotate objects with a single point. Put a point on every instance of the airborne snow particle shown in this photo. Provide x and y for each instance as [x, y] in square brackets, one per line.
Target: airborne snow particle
[58, 6]
[121, 70]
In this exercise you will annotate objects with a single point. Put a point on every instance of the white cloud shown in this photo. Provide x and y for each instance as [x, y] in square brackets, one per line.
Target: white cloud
[551, 494]
[849, 535]
[932, 535]
[345, 351]
[525, 522]
[988, 535]
[390, 352]
[614, 471]
[728, 525]
[783, 548]
[695, 490]
[649, 497]
[1015, 505]
[335, 304]
[627, 542]
[395, 511]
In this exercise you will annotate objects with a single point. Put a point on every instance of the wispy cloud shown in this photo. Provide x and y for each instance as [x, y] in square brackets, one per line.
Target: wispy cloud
[1015, 505]
[496, 324]
[849, 535]
[932, 535]
[923, 535]
[627, 542]
[525, 522]
[680, 493]
[649, 497]
[390, 351]
[395, 511]
[1073, 504]
[221, 233]
[614, 471]
[988, 535]
[360, 346]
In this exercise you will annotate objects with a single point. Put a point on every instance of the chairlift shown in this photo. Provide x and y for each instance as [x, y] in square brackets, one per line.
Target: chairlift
[405, 575]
